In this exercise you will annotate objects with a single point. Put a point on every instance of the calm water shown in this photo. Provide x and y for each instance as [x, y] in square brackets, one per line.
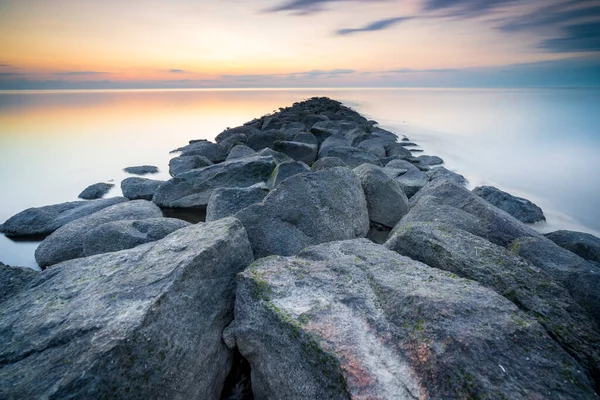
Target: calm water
[542, 144]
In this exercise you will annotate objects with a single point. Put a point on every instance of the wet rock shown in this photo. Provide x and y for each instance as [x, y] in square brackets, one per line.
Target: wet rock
[14, 279]
[181, 164]
[531, 289]
[306, 153]
[306, 209]
[130, 324]
[141, 170]
[225, 202]
[47, 219]
[95, 191]
[121, 235]
[352, 320]
[285, 170]
[327, 162]
[193, 189]
[351, 156]
[140, 188]
[522, 209]
[240, 151]
[386, 200]
[584, 245]
[67, 242]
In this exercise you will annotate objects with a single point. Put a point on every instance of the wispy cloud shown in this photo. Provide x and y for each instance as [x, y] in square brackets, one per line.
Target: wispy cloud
[464, 8]
[314, 74]
[374, 26]
[79, 73]
[412, 71]
[583, 37]
[306, 7]
[177, 71]
[2, 74]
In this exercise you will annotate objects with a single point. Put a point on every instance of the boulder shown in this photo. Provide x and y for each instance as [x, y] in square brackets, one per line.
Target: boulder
[323, 129]
[412, 181]
[240, 151]
[327, 162]
[374, 146]
[121, 235]
[279, 157]
[312, 119]
[265, 139]
[441, 173]
[143, 323]
[13, 280]
[522, 209]
[193, 189]
[351, 156]
[306, 137]
[583, 244]
[306, 153]
[386, 200]
[240, 130]
[351, 319]
[531, 289]
[307, 209]
[140, 188]
[395, 167]
[141, 170]
[225, 202]
[430, 160]
[95, 191]
[213, 151]
[47, 219]
[67, 242]
[181, 164]
[337, 140]
[285, 170]
[234, 140]
[396, 149]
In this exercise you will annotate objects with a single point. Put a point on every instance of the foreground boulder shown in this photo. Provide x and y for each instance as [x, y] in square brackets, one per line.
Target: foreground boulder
[181, 164]
[522, 209]
[131, 324]
[307, 209]
[95, 191]
[583, 244]
[193, 189]
[121, 235]
[531, 289]
[225, 202]
[47, 219]
[140, 188]
[352, 320]
[67, 242]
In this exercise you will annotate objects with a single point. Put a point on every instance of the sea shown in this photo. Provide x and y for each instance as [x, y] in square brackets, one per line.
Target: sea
[542, 144]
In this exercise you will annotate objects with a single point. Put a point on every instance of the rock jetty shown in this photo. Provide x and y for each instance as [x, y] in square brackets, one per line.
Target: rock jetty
[329, 263]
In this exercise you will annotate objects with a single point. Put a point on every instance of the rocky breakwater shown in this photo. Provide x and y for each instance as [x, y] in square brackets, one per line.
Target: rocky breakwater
[280, 294]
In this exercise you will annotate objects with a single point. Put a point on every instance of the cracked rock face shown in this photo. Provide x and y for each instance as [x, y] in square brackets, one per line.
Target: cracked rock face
[141, 323]
[351, 319]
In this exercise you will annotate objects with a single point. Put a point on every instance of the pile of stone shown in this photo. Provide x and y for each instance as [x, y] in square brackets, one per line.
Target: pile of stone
[280, 294]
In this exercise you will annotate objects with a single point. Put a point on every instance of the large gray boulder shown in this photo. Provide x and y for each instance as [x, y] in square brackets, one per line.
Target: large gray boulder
[240, 151]
[225, 202]
[407, 175]
[265, 139]
[583, 244]
[285, 170]
[386, 200]
[351, 156]
[143, 323]
[312, 119]
[442, 173]
[374, 146]
[67, 242]
[327, 162]
[396, 149]
[306, 137]
[13, 280]
[121, 235]
[337, 140]
[181, 164]
[95, 191]
[307, 209]
[304, 152]
[135, 188]
[353, 320]
[522, 209]
[240, 130]
[531, 289]
[47, 219]
[213, 151]
[193, 189]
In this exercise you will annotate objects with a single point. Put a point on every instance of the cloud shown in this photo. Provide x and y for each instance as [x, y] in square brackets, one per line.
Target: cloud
[374, 26]
[177, 71]
[411, 71]
[305, 7]
[8, 74]
[314, 74]
[464, 8]
[556, 14]
[583, 37]
[78, 73]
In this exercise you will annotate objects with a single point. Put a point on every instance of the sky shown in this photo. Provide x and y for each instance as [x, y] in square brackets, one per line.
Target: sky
[100, 44]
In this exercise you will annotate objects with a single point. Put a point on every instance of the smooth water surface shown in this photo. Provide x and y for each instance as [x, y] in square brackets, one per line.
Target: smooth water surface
[537, 143]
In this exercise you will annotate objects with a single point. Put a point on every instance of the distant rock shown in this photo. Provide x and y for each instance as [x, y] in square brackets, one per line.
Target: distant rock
[583, 244]
[95, 191]
[47, 219]
[13, 280]
[240, 130]
[430, 160]
[307, 209]
[522, 209]
[225, 202]
[142, 323]
[139, 188]
[358, 321]
[121, 235]
[352, 156]
[386, 200]
[265, 139]
[67, 242]
[181, 164]
[141, 170]
[312, 119]
[193, 189]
